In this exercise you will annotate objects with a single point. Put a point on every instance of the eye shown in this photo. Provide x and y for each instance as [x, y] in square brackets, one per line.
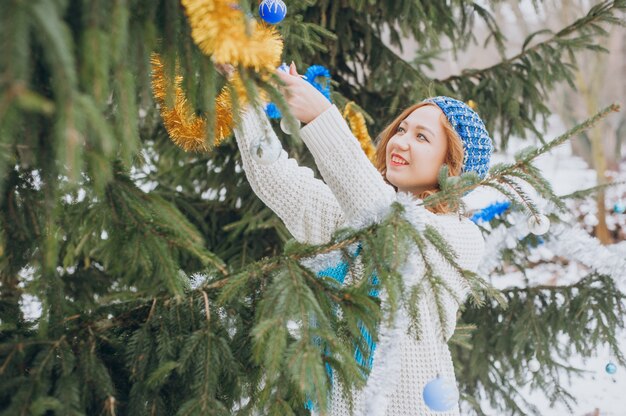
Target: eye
[423, 137]
[400, 128]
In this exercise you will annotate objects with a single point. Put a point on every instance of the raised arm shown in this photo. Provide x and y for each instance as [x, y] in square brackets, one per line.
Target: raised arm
[358, 186]
[305, 204]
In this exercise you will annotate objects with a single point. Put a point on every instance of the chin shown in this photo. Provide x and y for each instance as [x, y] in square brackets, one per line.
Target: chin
[391, 182]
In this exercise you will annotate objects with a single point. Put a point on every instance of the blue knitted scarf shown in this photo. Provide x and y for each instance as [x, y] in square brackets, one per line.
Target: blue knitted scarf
[338, 273]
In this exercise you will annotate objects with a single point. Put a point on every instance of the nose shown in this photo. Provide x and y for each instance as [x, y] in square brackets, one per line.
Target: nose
[402, 142]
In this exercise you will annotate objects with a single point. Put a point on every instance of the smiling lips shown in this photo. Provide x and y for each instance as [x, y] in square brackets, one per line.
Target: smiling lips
[397, 160]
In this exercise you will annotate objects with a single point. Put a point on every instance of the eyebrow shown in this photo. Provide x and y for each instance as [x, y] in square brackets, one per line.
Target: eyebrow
[420, 126]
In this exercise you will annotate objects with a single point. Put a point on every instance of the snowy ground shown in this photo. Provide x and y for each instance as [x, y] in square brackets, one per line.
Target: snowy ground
[598, 393]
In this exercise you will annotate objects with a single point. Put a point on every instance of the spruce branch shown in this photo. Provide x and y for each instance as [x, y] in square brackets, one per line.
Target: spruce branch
[511, 95]
[583, 193]
[600, 13]
[585, 125]
[76, 94]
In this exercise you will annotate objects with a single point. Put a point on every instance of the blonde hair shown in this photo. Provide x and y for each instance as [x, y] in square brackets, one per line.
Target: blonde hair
[454, 155]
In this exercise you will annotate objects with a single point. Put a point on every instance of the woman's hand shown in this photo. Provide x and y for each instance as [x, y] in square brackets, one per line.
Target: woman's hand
[305, 102]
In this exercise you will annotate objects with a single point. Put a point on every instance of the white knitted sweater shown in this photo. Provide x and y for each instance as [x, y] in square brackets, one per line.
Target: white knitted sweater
[354, 192]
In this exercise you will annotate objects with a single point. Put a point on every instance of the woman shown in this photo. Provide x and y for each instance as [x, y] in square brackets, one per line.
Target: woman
[354, 192]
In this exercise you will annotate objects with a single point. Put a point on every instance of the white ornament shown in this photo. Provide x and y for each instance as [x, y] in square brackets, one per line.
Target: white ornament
[539, 224]
[534, 365]
[265, 150]
[284, 126]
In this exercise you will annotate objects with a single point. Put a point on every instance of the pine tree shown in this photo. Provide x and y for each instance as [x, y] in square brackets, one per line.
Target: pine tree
[166, 287]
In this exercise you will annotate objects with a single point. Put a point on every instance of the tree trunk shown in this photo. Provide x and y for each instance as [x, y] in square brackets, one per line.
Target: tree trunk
[599, 163]
[597, 154]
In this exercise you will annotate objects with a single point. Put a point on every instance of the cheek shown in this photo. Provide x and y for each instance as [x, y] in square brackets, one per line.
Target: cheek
[388, 150]
[442, 155]
[389, 145]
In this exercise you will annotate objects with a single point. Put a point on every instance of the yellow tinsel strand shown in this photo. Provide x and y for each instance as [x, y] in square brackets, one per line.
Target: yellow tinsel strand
[186, 129]
[359, 129]
[221, 30]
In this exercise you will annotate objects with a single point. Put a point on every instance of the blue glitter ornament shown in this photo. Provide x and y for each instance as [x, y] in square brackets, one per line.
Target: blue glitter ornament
[619, 207]
[611, 368]
[441, 394]
[272, 11]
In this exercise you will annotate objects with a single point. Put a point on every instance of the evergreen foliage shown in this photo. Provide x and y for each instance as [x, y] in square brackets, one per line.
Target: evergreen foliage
[166, 287]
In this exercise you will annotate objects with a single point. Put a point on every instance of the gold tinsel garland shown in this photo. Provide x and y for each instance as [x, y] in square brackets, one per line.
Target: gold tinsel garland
[359, 129]
[222, 31]
[186, 129]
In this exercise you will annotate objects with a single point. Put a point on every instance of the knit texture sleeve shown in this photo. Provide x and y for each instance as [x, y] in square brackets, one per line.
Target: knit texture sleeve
[355, 182]
[468, 244]
[305, 204]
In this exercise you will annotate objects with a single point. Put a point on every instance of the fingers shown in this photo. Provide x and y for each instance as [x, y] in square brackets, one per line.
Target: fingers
[287, 78]
[292, 80]
[292, 69]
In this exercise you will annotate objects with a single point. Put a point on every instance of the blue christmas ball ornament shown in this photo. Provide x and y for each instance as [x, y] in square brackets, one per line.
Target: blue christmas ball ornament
[441, 394]
[272, 11]
[619, 207]
[611, 368]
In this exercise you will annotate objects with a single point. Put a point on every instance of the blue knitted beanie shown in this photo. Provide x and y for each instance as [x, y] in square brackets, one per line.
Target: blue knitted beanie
[471, 129]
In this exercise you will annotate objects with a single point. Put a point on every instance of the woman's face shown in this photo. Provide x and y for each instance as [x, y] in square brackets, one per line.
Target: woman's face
[416, 152]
